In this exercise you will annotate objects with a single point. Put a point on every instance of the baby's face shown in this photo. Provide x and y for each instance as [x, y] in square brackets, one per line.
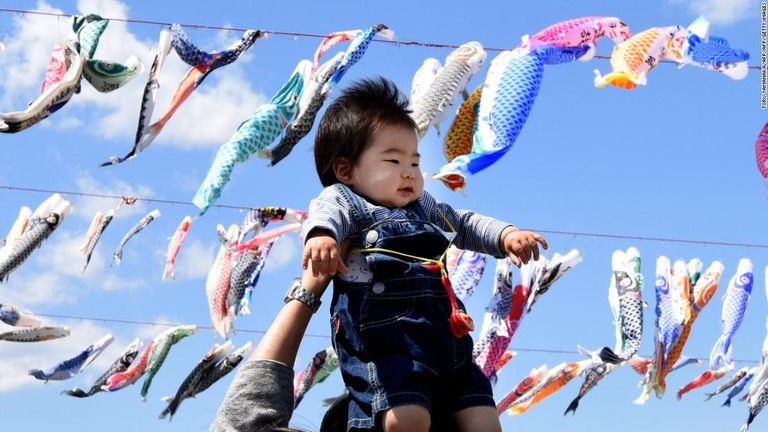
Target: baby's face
[388, 170]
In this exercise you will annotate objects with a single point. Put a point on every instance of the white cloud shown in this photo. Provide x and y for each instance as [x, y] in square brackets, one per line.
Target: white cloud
[37, 289]
[18, 358]
[57, 276]
[148, 332]
[195, 258]
[211, 115]
[722, 11]
[85, 207]
[284, 252]
[29, 49]
[206, 120]
[62, 123]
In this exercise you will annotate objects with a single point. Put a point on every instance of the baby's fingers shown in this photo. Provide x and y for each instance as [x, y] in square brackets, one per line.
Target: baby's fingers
[541, 241]
[341, 267]
[515, 260]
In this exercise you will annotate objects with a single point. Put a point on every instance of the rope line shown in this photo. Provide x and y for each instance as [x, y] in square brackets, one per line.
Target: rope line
[282, 33]
[152, 323]
[547, 231]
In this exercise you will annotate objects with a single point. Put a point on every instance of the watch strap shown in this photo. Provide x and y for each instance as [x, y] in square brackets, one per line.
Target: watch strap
[298, 292]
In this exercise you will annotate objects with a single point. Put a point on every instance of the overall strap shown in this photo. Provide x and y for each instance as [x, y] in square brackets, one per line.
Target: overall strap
[418, 209]
[359, 211]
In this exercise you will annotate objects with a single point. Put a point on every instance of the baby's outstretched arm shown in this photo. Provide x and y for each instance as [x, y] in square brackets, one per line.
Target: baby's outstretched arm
[322, 250]
[521, 245]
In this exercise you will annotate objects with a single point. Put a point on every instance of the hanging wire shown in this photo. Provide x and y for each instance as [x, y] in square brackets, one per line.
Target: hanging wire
[546, 231]
[285, 33]
[152, 323]
[156, 323]
[238, 207]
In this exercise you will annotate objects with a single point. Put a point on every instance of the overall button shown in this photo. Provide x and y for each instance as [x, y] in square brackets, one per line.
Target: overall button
[378, 287]
[371, 237]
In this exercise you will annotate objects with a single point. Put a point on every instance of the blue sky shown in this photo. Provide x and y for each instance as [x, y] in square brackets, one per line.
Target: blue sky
[674, 159]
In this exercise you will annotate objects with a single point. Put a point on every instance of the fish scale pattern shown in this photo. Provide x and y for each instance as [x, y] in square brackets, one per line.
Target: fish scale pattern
[761, 151]
[716, 53]
[305, 118]
[458, 140]
[509, 91]
[355, 52]
[253, 135]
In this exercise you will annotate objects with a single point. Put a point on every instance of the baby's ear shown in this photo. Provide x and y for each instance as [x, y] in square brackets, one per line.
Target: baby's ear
[342, 168]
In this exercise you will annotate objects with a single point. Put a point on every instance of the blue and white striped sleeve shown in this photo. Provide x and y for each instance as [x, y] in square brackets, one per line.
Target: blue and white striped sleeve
[329, 211]
[473, 231]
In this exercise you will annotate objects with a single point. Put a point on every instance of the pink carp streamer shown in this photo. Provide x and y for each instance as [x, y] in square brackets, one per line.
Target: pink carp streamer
[761, 153]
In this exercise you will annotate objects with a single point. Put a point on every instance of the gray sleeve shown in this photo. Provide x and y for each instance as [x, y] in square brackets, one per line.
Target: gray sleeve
[474, 231]
[260, 396]
[330, 211]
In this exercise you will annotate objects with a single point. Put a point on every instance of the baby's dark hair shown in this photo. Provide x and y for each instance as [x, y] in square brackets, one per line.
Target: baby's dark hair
[353, 118]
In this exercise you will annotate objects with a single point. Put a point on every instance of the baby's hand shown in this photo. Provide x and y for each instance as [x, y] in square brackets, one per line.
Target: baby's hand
[323, 251]
[522, 245]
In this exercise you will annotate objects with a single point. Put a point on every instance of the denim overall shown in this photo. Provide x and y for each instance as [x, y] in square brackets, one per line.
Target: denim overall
[392, 333]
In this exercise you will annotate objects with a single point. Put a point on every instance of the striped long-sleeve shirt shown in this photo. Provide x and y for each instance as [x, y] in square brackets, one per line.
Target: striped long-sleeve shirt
[332, 212]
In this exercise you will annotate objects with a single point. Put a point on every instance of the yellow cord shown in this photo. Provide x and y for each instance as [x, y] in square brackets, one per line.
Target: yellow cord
[440, 261]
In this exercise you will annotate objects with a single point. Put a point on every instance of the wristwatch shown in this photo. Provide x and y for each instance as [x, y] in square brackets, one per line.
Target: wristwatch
[298, 292]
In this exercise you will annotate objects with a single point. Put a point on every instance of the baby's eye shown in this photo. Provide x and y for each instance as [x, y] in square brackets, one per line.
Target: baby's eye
[394, 161]
[415, 164]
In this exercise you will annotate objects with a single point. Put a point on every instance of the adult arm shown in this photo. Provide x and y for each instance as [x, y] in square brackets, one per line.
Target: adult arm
[261, 395]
